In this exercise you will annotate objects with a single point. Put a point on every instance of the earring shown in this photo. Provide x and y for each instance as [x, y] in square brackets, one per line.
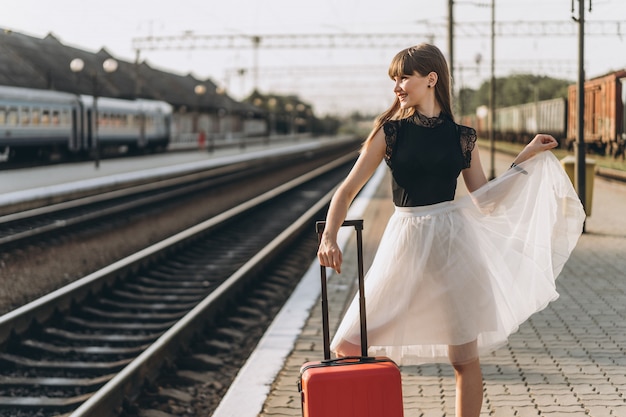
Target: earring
[428, 85]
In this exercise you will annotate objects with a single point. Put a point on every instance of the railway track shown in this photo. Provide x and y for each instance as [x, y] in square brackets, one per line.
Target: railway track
[33, 223]
[89, 347]
[216, 356]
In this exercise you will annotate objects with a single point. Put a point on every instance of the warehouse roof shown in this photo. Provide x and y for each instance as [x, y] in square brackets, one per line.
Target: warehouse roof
[45, 64]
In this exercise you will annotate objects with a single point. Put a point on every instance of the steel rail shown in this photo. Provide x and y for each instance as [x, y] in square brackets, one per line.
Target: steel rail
[142, 368]
[125, 199]
[107, 401]
[18, 320]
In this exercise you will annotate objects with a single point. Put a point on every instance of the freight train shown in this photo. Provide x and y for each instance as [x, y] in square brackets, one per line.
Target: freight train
[604, 117]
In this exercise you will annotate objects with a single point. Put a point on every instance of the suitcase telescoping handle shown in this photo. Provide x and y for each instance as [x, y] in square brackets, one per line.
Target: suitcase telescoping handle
[358, 225]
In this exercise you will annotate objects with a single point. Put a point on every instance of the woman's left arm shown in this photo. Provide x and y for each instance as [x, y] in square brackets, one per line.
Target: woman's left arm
[540, 143]
[474, 176]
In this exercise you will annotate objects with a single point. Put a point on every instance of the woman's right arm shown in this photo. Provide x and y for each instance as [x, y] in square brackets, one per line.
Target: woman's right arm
[329, 253]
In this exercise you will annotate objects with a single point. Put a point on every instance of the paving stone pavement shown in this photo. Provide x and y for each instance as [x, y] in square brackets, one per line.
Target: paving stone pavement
[568, 360]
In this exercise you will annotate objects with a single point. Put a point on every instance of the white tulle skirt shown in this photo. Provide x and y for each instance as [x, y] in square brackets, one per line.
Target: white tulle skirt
[469, 270]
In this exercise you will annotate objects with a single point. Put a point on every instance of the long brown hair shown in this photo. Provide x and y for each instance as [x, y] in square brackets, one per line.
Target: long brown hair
[422, 59]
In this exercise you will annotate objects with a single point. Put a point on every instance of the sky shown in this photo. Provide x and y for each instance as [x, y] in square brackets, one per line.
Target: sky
[337, 80]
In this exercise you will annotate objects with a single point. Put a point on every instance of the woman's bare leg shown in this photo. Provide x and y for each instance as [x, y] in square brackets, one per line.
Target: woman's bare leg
[469, 389]
[469, 379]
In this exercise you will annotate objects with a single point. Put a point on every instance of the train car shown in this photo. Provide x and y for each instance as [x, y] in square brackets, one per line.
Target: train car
[38, 122]
[520, 123]
[604, 115]
[133, 125]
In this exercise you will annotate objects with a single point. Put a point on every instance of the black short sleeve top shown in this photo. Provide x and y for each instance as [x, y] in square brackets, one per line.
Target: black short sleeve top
[426, 156]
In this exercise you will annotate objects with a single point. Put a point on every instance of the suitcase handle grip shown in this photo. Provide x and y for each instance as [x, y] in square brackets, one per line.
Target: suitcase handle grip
[346, 360]
[358, 226]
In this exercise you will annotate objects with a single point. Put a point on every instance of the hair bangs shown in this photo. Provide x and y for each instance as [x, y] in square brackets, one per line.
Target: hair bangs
[401, 65]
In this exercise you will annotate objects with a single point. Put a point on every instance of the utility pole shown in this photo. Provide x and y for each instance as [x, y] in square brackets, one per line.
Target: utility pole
[451, 44]
[492, 95]
[580, 171]
[256, 41]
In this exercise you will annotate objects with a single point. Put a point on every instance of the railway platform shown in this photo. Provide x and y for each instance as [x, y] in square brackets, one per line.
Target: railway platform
[54, 175]
[565, 361]
[35, 187]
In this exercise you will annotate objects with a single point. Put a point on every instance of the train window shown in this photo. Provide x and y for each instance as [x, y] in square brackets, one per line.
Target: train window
[24, 115]
[66, 120]
[45, 117]
[3, 116]
[34, 117]
[55, 118]
[12, 116]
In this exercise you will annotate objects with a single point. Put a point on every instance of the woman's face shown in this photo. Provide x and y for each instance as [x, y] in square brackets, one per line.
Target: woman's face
[411, 90]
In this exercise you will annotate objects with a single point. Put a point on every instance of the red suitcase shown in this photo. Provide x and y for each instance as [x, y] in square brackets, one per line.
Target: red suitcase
[353, 386]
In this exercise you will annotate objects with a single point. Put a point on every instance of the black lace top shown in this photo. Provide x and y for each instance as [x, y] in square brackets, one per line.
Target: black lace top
[426, 156]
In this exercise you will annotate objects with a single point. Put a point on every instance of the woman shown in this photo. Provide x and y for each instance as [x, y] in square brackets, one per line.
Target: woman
[452, 279]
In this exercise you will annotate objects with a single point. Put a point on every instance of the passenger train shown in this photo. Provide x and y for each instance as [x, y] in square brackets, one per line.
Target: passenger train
[43, 123]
